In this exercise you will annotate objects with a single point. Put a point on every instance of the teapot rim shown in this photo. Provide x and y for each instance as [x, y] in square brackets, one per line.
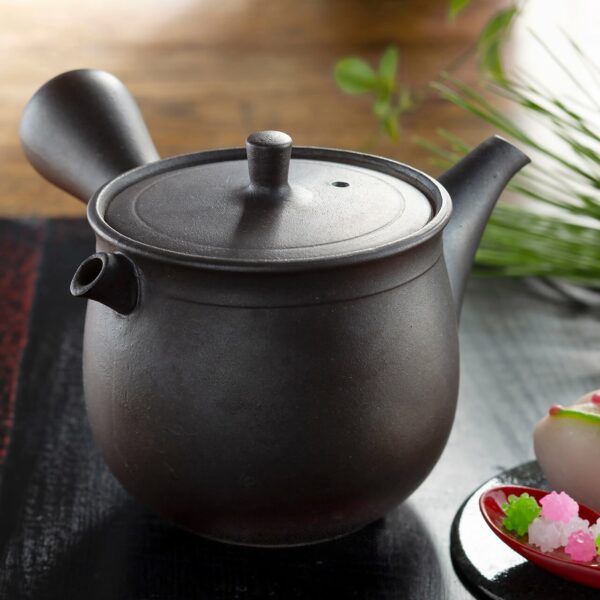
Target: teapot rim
[433, 190]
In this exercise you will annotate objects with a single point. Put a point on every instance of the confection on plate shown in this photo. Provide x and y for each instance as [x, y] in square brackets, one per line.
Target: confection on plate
[581, 546]
[574, 525]
[559, 507]
[567, 446]
[520, 513]
[545, 534]
[595, 529]
[554, 524]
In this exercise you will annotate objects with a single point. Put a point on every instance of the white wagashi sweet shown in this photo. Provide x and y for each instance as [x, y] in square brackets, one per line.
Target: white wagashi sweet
[567, 446]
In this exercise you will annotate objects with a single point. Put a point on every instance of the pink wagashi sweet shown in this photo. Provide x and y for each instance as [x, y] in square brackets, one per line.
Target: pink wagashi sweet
[575, 524]
[581, 546]
[559, 507]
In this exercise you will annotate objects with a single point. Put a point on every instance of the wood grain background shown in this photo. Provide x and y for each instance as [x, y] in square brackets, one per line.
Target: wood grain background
[208, 72]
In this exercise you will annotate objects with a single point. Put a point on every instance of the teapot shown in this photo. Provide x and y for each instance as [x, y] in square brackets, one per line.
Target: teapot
[270, 353]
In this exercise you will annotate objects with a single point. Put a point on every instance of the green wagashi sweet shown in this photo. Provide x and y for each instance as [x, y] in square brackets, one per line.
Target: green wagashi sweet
[520, 513]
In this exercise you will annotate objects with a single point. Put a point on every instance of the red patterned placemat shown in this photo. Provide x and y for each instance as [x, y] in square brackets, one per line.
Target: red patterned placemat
[20, 244]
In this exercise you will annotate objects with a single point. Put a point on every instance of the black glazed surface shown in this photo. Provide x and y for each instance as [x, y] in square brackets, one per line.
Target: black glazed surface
[492, 570]
[156, 210]
[268, 423]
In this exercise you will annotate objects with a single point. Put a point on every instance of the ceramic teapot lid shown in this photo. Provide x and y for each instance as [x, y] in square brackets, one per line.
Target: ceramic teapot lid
[269, 206]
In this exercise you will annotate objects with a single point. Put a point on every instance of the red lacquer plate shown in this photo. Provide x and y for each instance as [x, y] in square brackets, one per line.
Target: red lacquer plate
[558, 561]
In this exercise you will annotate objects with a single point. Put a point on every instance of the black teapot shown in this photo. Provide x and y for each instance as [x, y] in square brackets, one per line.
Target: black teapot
[270, 352]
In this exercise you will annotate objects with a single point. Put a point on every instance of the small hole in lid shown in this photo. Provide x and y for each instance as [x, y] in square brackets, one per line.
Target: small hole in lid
[340, 184]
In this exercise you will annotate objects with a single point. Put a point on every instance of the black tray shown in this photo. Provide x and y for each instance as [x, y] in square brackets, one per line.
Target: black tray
[488, 567]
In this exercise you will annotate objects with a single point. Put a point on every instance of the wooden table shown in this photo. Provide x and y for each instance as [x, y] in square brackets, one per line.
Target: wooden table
[208, 72]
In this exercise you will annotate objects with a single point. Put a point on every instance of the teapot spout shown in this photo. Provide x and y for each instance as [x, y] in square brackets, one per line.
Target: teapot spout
[475, 184]
[109, 279]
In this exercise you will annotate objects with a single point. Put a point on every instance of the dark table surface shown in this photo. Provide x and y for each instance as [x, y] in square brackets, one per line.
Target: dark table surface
[68, 530]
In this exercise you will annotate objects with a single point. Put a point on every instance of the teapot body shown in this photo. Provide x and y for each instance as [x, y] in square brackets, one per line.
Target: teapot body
[275, 408]
[270, 352]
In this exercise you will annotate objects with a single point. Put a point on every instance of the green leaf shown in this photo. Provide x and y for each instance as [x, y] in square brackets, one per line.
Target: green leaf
[405, 101]
[388, 67]
[356, 76]
[391, 127]
[491, 60]
[457, 6]
[382, 106]
[491, 40]
[498, 25]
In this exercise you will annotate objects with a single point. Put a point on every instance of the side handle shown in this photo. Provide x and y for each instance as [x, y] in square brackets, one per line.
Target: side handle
[82, 129]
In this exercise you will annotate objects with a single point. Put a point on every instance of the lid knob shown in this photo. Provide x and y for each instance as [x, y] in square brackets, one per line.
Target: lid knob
[269, 154]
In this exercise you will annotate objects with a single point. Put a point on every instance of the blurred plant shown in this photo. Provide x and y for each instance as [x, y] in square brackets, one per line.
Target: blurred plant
[492, 36]
[356, 76]
[391, 99]
[555, 233]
